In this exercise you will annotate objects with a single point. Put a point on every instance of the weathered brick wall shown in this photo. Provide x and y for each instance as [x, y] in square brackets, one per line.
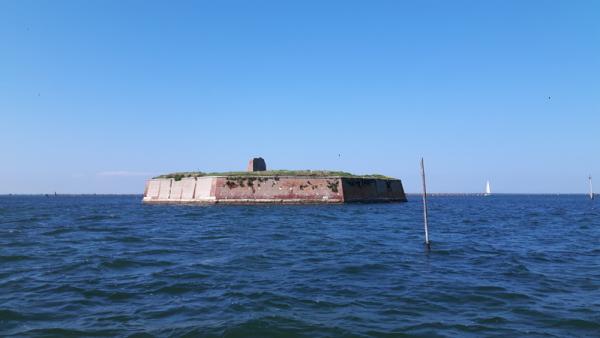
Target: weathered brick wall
[279, 189]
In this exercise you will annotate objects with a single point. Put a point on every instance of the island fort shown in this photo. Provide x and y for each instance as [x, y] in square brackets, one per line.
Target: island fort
[259, 185]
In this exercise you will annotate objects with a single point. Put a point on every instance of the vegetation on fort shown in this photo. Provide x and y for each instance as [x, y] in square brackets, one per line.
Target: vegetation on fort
[304, 173]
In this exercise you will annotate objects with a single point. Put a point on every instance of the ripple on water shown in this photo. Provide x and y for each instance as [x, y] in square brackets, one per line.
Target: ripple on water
[124, 263]
[366, 268]
[14, 258]
[8, 315]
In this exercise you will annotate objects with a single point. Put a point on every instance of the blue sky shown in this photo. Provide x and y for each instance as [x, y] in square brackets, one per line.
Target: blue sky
[96, 96]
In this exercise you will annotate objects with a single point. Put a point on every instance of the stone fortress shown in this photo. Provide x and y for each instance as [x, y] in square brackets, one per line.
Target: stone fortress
[257, 185]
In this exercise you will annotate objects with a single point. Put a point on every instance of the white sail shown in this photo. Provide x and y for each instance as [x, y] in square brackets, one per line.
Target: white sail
[488, 190]
[591, 188]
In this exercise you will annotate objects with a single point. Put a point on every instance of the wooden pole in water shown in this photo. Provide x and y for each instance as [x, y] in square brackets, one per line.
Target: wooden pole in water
[426, 224]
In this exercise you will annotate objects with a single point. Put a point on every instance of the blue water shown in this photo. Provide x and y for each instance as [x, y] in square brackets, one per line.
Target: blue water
[505, 266]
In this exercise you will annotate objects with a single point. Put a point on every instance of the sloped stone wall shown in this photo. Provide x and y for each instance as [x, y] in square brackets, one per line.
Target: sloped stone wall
[372, 190]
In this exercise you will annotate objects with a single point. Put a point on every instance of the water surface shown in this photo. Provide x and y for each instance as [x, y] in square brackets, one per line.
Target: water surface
[110, 266]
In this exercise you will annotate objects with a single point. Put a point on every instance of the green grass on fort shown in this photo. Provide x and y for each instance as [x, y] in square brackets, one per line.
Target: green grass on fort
[302, 173]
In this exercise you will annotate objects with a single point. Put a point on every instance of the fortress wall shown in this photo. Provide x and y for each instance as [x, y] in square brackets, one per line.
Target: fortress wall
[372, 190]
[188, 187]
[204, 189]
[396, 191]
[273, 190]
[152, 189]
[278, 189]
[165, 189]
[176, 190]
[185, 190]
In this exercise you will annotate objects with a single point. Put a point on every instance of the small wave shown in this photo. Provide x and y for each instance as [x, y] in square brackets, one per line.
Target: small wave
[511, 296]
[528, 312]
[158, 252]
[97, 217]
[58, 231]
[400, 312]
[191, 214]
[575, 324]
[125, 239]
[279, 236]
[489, 288]
[167, 312]
[110, 295]
[10, 315]
[363, 268]
[493, 320]
[181, 288]
[28, 220]
[62, 332]
[517, 269]
[122, 263]
[431, 329]
[278, 326]
[14, 258]
[180, 275]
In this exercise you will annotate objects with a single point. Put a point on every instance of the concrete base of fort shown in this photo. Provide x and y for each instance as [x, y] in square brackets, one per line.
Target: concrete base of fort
[273, 189]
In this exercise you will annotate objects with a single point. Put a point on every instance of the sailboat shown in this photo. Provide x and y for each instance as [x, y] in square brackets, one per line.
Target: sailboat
[591, 188]
[488, 190]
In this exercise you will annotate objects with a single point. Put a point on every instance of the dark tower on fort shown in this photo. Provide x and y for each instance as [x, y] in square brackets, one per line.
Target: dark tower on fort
[257, 164]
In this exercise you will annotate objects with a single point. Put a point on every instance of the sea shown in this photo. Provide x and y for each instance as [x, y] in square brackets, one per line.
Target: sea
[110, 266]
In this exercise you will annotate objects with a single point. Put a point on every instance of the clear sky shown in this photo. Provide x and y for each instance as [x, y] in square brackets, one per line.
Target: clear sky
[97, 96]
